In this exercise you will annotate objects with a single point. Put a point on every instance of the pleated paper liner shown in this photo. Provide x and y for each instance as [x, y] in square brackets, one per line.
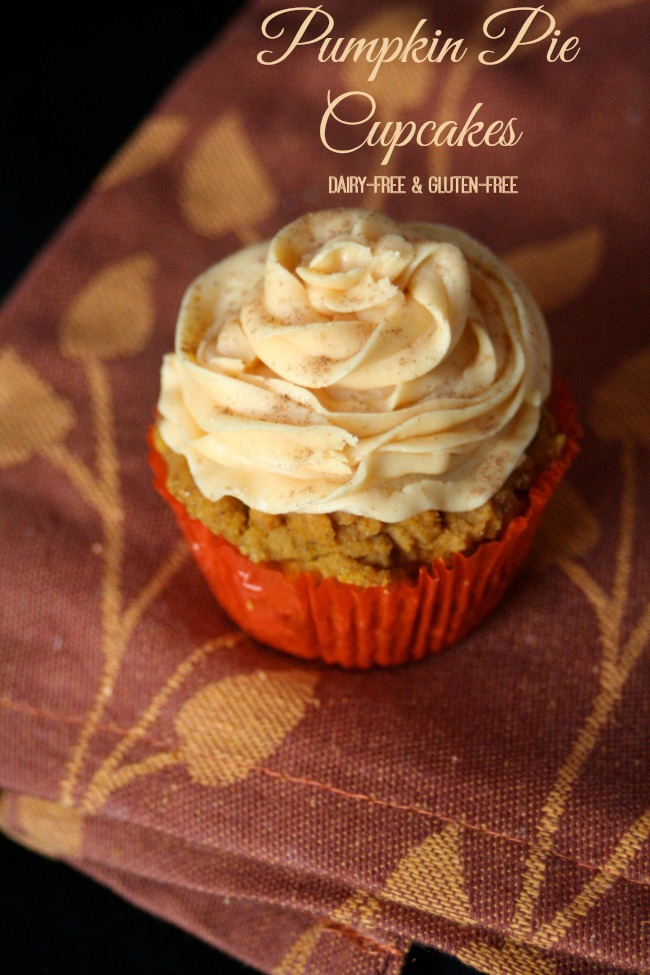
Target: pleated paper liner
[360, 627]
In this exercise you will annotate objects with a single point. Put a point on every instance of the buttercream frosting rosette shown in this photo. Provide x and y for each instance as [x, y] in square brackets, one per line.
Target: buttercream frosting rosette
[357, 433]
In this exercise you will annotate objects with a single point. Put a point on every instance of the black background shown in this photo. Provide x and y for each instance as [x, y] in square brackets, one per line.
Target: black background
[74, 86]
[73, 89]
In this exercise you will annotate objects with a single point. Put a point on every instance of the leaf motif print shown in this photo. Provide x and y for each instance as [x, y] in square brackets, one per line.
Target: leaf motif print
[621, 404]
[33, 417]
[225, 188]
[232, 725]
[558, 271]
[147, 149]
[47, 827]
[297, 957]
[430, 877]
[113, 315]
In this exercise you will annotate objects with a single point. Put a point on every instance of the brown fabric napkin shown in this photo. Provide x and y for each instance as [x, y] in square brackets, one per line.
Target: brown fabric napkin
[493, 801]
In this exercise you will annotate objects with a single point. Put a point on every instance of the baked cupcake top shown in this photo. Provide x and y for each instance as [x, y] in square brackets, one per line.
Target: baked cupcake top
[356, 364]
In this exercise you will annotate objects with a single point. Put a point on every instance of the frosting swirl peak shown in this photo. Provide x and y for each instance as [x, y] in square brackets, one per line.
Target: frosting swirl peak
[349, 300]
[356, 364]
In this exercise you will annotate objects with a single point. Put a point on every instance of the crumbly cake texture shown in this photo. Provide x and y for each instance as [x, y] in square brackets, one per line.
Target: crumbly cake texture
[359, 550]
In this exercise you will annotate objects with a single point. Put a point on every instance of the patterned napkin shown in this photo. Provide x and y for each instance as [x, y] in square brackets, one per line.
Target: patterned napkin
[493, 801]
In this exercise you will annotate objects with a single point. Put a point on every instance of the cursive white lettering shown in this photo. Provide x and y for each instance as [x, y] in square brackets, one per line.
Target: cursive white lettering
[390, 135]
[316, 28]
[297, 39]
[525, 35]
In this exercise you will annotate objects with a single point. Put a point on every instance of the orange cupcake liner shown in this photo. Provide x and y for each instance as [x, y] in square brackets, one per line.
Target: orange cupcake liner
[361, 627]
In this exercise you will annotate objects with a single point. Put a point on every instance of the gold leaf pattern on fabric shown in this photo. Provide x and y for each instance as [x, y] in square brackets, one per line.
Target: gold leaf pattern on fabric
[48, 827]
[113, 315]
[360, 909]
[623, 854]
[397, 84]
[621, 404]
[150, 146]
[558, 271]
[297, 957]
[225, 187]
[569, 528]
[113, 773]
[620, 649]
[33, 416]
[511, 959]
[430, 877]
[229, 727]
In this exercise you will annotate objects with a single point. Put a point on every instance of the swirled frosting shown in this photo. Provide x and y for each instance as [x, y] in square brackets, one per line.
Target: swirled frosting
[356, 364]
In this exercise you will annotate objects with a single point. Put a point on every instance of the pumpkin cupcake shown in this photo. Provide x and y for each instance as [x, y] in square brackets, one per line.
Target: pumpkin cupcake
[358, 432]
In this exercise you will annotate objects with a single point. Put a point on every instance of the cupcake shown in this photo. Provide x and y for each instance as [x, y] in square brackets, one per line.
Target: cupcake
[358, 432]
